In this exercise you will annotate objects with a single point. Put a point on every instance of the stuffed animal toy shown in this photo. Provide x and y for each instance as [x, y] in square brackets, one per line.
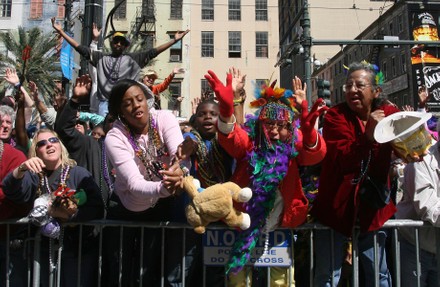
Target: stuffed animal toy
[215, 203]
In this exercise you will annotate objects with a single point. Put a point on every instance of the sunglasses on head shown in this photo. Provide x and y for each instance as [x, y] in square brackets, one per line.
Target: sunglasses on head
[51, 140]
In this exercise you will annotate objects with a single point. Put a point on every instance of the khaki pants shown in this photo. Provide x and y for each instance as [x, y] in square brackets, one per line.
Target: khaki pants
[279, 277]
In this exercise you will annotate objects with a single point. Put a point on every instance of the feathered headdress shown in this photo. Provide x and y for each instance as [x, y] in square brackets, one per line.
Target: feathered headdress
[274, 103]
[379, 78]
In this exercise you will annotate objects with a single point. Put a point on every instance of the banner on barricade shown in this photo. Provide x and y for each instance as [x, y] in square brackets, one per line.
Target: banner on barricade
[217, 245]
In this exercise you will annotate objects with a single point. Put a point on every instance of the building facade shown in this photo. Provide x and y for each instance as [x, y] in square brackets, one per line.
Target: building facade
[226, 33]
[403, 73]
[329, 20]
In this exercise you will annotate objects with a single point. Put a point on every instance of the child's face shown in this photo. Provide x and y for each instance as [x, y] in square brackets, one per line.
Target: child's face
[206, 120]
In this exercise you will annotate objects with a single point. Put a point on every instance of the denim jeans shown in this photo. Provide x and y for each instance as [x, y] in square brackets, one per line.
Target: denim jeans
[408, 266]
[324, 272]
[103, 108]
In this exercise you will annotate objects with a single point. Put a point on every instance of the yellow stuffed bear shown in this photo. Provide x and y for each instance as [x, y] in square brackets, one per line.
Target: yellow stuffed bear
[215, 203]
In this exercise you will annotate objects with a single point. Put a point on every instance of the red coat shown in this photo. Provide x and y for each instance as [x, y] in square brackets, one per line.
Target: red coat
[338, 204]
[10, 159]
[238, 143]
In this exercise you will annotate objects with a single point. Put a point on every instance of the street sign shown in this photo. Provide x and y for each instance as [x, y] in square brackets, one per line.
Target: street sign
[217, 245]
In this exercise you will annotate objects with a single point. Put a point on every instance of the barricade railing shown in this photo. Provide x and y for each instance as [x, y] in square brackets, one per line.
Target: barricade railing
[25, 261]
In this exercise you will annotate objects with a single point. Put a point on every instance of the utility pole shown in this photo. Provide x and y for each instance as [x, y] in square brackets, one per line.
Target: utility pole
[93, 12]
[307, 44]
[68, 12]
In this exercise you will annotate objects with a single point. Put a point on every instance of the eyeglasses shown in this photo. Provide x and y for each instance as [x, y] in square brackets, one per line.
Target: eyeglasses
[51, 140]
[357, 86]
[270, 125]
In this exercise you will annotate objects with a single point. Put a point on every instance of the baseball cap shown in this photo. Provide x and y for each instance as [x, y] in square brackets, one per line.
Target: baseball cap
[122, 37]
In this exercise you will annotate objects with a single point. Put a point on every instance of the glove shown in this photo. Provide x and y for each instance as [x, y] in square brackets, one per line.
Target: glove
[308, 120]
[224, 94]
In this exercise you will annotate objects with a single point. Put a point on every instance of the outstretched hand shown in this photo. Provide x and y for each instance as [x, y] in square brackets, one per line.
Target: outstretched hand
[180, 34]
[178, 70]
[224, 94]
[299, 90]
[95, 32]
[82, 87]
[33, 90]
[57, 27]
[308, 120]
[11, 76]
[238, 80]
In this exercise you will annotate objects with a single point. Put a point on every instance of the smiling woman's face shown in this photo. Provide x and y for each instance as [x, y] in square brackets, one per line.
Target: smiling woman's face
[48, 148]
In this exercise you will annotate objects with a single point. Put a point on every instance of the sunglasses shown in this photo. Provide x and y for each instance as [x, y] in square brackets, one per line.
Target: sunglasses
[51, 140]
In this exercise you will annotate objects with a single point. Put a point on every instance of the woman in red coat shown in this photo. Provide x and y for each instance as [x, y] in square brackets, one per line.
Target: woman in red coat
[268, 151]
[351, 152]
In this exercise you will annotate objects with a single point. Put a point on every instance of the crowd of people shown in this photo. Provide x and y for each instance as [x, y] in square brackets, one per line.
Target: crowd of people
[127, 160]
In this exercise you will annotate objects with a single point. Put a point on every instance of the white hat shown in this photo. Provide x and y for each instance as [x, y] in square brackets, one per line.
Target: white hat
[399, 125]
[406, 132]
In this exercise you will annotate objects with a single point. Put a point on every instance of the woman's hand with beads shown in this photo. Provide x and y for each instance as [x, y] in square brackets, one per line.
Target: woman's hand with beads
[34, 164]
[173, 178]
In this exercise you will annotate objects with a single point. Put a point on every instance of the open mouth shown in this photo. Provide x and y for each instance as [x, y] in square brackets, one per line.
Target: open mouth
[208, 125]
[138, 114]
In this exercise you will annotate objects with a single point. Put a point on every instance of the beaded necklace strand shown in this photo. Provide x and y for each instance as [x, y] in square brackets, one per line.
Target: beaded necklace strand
[44, 184]
[105, 170]
[211, 165]
[150, 155]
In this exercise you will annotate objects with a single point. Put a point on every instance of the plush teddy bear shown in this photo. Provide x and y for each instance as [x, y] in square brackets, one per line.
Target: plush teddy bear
[215, 203]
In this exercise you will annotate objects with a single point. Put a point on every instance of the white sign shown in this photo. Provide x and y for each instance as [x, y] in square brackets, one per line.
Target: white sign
[217, 245]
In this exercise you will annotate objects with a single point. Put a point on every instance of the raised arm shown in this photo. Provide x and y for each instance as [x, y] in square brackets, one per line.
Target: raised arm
[177, 37]
[57, 27]
[20, 122]
[224, 95]
[12, 78]
[238, 82]
[41, 107]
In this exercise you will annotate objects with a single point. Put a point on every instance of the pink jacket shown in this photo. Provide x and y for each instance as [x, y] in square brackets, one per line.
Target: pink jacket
[135, 192]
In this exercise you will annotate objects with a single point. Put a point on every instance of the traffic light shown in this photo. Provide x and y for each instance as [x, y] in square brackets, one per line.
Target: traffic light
[323, 88]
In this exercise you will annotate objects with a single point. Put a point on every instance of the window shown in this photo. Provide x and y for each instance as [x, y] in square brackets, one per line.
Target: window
[207, 44]
[400, 23]
[5, 8]
[403, 62]
[234, 10]
[260, 10]
[175, 100]
[261, 44]
[393, 66]
[121, 12]
[234, 44]
[176, 9]
[61, 9]
[384, 69]
[175, 50]
[36, 9]
[207, 9]
[391, 28]
[206, 88]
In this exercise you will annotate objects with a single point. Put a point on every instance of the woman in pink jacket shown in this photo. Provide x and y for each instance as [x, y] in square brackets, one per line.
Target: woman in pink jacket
[268, 151]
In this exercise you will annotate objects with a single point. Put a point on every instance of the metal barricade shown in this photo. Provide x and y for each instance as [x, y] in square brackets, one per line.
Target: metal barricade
[55, 267]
